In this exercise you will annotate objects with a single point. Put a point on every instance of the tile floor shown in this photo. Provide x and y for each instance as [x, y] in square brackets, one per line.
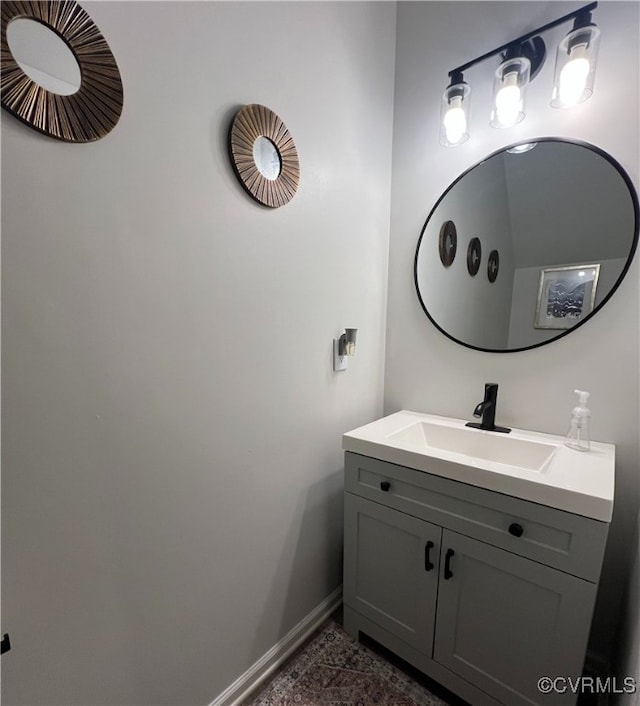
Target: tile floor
[331, 669]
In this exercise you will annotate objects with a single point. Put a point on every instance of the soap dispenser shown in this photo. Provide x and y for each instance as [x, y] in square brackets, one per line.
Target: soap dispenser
[578, 434]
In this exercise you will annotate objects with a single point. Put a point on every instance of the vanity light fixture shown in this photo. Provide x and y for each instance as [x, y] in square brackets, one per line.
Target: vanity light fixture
[520, 61]
[344, 347]
[576, 63]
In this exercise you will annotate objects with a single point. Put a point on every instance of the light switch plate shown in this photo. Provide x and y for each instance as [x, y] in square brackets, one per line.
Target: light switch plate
[339, 361]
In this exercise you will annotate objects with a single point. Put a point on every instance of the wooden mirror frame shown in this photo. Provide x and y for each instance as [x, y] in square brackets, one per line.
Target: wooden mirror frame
[448, 234]
[250, 123]
[84, 116]
[474, 256]
[493, 265]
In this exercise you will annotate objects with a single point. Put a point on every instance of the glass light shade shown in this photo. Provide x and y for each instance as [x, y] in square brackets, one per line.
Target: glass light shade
[509, 88]
[575, 67]
[350, 342]
[454, 115]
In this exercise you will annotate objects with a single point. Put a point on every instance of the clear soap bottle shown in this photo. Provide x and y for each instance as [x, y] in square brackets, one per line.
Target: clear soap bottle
[578, 435]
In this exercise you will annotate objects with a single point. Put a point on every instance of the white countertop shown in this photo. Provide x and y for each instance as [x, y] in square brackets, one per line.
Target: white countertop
[574, 481]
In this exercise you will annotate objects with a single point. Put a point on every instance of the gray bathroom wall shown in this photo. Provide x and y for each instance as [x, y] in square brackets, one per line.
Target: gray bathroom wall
[627, 659]
[427, 372]
[172, 470]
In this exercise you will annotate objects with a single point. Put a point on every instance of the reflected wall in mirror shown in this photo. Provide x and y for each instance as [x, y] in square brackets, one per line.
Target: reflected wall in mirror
[58, 73]
[558, 205]
[264, 155]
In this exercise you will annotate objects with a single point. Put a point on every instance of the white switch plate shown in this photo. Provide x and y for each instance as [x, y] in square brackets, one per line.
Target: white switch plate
[339, 361]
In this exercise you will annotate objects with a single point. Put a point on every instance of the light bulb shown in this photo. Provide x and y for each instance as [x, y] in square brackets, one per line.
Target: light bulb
[573, 77]
[455, 121]
[575, 70]
[509, 101]
[510, 82]
[454, 113]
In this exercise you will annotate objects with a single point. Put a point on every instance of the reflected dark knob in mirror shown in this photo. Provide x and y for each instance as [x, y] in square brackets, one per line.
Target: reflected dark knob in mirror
[516, 530]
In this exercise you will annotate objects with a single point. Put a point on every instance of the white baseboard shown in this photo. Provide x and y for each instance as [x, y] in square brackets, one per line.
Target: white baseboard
[271, 660]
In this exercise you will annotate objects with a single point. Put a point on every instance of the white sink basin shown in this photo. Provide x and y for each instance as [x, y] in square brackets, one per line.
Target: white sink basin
[526, 464]
[424, 437]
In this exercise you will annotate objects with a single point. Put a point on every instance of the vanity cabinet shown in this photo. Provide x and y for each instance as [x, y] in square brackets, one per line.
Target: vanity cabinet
[392, 562]
[483, 592]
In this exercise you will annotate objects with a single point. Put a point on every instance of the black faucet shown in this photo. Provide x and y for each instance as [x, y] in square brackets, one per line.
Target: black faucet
[487, 410]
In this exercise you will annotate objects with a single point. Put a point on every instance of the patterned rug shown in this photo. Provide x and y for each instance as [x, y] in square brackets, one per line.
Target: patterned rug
[333, 670]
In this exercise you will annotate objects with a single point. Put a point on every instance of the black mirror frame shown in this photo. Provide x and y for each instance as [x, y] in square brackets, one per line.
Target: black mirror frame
[561, 333]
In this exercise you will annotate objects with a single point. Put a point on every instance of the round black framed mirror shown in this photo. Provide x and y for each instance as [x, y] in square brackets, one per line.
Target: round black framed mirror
[564, 217]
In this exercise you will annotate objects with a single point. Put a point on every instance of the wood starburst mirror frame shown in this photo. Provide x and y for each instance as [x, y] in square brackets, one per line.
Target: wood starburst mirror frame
[251, 123]
[94, 109]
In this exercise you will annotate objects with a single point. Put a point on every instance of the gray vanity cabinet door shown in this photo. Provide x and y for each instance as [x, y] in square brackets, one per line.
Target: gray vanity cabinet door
[391, 563]
[505, 621]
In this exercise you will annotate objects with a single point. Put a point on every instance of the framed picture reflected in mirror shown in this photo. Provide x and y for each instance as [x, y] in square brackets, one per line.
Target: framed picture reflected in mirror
[566, 295]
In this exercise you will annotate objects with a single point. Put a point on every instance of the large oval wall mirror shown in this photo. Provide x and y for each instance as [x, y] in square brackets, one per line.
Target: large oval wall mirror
[58, 73]
[561, 216]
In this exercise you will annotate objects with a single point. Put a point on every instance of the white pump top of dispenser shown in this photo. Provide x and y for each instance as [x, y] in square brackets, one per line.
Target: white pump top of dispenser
[582, 410]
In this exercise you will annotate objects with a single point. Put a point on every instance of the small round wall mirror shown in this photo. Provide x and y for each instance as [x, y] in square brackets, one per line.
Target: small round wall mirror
[43, 56]
[474, 255]
[58, 74]
[264, 155]
[447, 243]
[493, 265]
[563, 216]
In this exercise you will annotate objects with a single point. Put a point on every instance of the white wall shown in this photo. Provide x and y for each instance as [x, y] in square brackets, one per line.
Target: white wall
[628, 658]
[172, 472]
[427, 372]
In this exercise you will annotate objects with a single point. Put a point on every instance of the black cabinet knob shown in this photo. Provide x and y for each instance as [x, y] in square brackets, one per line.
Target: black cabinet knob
[516, 530]
[385, 485]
